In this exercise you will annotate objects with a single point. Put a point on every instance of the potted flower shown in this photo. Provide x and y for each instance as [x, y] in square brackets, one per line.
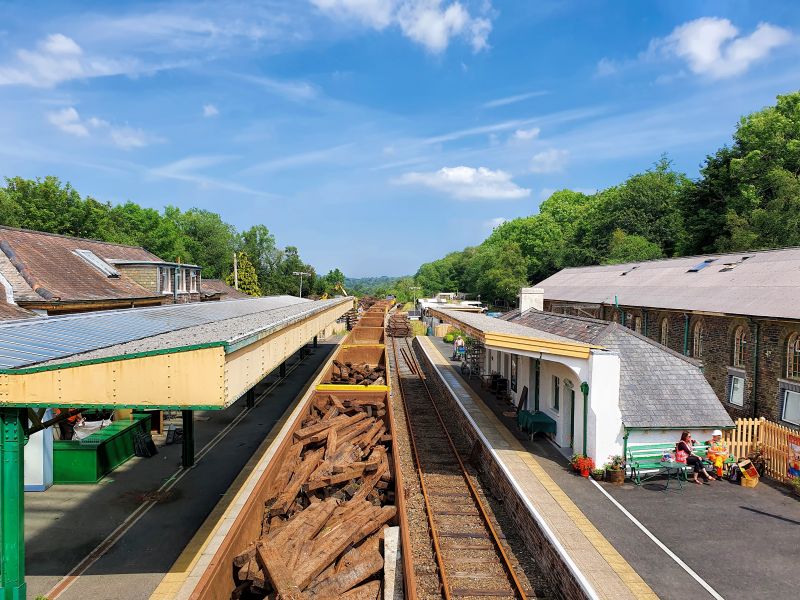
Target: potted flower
[584, 465]
[573, 461]
[598, 474]
[615, 469]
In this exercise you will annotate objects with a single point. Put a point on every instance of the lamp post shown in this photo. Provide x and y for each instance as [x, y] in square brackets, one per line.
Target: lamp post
[301, 273]
[414, 289]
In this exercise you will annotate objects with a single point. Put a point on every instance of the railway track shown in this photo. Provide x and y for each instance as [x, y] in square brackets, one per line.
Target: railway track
[469, 551]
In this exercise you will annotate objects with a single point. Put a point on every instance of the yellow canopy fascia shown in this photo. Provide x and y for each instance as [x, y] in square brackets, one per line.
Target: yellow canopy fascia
[534, 344]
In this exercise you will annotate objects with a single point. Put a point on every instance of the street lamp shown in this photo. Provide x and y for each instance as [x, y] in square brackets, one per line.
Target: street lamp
[301, 273]
[415, 288]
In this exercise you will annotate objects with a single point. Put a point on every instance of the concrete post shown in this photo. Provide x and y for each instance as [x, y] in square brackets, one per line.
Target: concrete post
[250, 397]
[12, 513]
[315, 341]
[187, 455]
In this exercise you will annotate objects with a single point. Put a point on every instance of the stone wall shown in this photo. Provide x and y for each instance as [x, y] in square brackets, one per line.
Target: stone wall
[145, 276]
[717, 357]
[561, 581]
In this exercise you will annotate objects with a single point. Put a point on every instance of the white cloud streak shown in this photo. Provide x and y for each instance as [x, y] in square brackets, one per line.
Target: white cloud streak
[68, 120]
[513, 99]
[468, 183]
[430, 23]
[549, 161]
[209, 110]
[527, 134]
[185, 170]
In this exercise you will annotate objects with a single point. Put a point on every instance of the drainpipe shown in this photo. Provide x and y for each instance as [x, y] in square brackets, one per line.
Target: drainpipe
[12, 511]
[585, 390]
[686, 334]
[645, 328]
[756, 335]
[625, 443]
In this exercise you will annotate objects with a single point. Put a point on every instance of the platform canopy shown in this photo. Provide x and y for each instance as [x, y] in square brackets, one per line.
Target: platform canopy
[198, 355]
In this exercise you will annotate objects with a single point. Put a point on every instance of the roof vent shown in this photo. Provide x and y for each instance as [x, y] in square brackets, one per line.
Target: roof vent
[701, 266]
[629, 270]
[97, 262]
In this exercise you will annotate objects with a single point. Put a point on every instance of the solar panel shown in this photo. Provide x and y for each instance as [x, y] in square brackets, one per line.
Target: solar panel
[30, 341]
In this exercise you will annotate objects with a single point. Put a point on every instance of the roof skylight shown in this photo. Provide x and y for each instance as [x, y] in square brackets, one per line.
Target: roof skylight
[701, 266]
[98, 263]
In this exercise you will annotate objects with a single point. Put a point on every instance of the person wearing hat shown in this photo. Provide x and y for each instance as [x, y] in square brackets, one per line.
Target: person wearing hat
[717, 451]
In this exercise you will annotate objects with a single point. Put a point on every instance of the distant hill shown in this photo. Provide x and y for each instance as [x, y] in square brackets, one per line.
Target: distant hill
[370, 285]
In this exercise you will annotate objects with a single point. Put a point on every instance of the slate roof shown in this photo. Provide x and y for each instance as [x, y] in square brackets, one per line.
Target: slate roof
[42, 267]
[659, 388]
[487, 324]
[12, 311]
[217, 286]
[765, 283]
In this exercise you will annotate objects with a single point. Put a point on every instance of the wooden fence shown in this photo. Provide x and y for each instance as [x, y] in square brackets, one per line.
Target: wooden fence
[775, 438]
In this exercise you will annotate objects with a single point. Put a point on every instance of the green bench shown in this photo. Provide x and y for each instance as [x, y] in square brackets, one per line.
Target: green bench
[92, 458]
[535, 422]
[644, 460]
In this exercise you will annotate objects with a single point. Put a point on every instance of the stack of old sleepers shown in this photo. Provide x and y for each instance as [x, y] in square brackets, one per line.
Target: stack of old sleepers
[355, 368]
[357, 374]
[326, 507]
[399, 325]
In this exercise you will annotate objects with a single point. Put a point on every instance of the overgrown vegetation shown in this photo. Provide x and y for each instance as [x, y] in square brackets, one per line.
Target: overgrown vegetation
[746, 198]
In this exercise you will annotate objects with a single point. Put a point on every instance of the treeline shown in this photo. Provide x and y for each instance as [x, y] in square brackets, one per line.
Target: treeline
[193, 236]
[746, 198]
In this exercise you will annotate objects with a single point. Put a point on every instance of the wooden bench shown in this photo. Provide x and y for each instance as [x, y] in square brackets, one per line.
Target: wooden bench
[645, 459]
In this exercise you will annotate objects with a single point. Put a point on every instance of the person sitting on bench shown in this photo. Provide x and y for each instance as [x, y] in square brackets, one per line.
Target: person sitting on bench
[686, 444]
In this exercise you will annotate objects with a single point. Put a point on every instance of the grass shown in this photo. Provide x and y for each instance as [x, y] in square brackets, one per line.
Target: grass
[418, 328]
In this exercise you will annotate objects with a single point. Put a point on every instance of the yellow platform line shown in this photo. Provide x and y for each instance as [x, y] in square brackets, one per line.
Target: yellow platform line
[630, 578]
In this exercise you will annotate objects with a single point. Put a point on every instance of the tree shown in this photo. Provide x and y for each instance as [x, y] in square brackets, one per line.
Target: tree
[631, 248]
[246, 272]
[259, 244]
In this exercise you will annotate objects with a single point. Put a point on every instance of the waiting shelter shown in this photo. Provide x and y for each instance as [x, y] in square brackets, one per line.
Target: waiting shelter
[188, 357]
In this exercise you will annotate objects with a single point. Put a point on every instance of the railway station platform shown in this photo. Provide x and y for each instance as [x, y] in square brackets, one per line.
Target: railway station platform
[606, 571]
[661, 536]
[151, 508]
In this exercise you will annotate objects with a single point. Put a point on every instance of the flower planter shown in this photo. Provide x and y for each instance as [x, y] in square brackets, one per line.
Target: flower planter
[598, 476]
[615, 476]
[584, 472]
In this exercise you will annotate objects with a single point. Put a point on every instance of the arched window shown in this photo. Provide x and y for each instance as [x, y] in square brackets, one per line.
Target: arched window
[697, 340]
[793, 357]
[739, 343]
[665, 332]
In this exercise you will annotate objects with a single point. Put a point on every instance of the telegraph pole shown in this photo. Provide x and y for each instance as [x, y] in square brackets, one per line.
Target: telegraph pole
[301, 273]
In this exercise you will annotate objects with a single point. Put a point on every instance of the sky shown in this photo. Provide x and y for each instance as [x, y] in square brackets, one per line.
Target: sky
[376, 135]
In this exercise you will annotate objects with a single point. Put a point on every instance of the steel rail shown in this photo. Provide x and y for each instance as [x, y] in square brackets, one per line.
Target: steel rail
[516, 584]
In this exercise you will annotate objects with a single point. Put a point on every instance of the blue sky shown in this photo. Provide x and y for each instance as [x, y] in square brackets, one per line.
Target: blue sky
[377, 134]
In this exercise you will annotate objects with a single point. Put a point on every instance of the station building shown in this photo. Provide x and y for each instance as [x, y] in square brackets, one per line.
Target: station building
[603, 385]
[738, 314]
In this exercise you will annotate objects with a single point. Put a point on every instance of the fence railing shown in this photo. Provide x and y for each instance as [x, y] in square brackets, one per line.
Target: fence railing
[774, 437]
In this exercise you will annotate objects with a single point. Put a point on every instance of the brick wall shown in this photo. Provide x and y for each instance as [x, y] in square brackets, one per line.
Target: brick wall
[717, 358]
[145, 276]
[561, 581]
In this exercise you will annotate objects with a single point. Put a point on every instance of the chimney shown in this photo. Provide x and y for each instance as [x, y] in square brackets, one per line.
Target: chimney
[531, 298]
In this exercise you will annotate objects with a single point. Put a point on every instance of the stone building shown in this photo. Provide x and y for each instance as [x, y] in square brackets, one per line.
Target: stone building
[739, 314]
[49, 274]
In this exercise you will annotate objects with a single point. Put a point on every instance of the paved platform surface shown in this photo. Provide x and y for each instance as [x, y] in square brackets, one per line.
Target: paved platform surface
[65, 523]
[754, 531]
[606, 570]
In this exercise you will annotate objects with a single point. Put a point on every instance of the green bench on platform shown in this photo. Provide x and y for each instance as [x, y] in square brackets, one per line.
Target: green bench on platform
[535, 422]
[644, 460]
[92, 458]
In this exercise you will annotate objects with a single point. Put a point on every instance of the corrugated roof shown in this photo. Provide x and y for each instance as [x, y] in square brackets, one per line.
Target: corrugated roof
[111, 333]
[765, 283]
[658, 387]
[50, 270]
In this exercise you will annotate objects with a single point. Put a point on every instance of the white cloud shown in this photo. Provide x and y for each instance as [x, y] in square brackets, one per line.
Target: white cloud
[527, 134]
[513, 99]
[209, 110]
[184, 170]
[468, 183]
[58, 58]
[431, 23]
[712, 46]
[69, 121]
[296, 91]
[606, 67]
[491, 224]
[549, 161]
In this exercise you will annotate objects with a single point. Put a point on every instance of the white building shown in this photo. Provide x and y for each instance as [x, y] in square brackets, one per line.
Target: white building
[604, 385]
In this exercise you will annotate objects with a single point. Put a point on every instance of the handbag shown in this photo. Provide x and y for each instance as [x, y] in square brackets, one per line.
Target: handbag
[681, 456]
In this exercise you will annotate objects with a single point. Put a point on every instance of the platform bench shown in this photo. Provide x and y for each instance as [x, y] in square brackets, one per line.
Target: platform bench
[92, 458]
[644, 460]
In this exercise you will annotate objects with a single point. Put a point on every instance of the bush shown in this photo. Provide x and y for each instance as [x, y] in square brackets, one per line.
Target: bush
[449, 338]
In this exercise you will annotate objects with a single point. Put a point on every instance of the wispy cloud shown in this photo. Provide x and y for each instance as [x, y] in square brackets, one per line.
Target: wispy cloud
[68, 120]
[430, 23]
[468, 183]
[296, 91]
[513, 99]
[491, 224]
[186, 169]
[527, 134]
[298, 160]
[549, 161]
[209, 110]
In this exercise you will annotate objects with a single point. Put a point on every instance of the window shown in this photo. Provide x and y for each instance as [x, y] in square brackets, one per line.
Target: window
[514, 359]
[793, 357]
[166, 280]
[664, 332]
[556, 393]
[193, 281]
[98, 263]
[701, 266]
[791, 407]
[739, 343]
[697, 340]
[736, 394]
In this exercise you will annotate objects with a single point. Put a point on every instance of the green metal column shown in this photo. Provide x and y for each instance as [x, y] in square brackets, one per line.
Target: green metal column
[187, 457]
[536, 391]
[282, 370]
[12, 513]
[686, 335]
[645, 324]
[250, 397]
[585, 390]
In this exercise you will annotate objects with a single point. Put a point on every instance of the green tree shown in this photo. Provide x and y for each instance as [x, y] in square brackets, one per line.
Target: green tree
[631, 248]
[208, 240]
[248, 278]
